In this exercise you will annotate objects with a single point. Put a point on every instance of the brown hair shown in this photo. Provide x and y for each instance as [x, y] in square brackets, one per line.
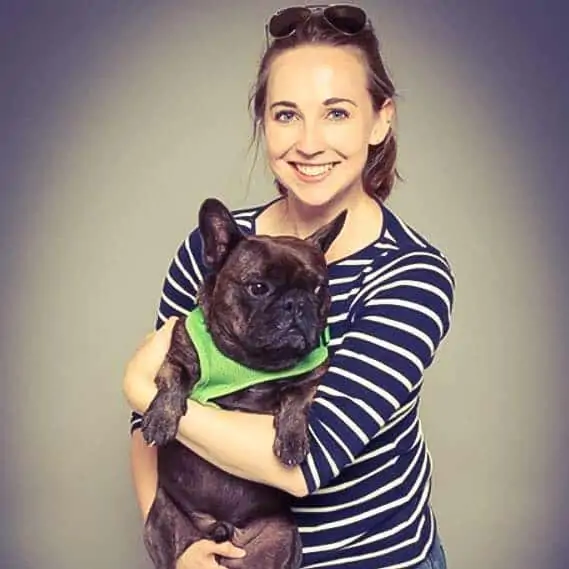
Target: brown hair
[380, 172]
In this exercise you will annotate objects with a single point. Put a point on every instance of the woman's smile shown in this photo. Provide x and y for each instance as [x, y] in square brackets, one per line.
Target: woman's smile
[312, 173]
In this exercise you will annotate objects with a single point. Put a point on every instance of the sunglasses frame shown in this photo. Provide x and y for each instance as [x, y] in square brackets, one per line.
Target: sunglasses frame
[308, 11]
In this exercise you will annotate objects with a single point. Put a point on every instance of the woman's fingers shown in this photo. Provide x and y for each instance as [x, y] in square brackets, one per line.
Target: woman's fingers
[163, 334]
[226, 549]
[202, 554]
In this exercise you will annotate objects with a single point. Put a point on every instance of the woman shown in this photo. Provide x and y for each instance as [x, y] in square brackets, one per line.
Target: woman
[323, 103]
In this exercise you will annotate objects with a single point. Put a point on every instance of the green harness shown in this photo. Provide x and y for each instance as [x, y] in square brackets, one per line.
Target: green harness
[221, 375]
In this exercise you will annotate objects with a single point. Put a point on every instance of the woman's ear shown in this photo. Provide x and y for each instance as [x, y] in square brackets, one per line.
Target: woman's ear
[382, 123]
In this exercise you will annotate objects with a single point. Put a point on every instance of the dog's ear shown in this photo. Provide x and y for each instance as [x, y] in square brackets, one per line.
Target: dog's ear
[220, 233]
[324, 237]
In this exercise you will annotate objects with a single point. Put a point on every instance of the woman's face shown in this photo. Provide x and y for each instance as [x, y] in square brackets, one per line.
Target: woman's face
[319, 121]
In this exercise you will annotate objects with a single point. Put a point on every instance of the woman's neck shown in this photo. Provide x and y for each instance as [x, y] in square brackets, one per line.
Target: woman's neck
[291, 217]
[301, 220]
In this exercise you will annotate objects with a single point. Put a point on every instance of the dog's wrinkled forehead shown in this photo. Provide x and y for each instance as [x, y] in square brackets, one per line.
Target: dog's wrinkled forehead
[284, 259]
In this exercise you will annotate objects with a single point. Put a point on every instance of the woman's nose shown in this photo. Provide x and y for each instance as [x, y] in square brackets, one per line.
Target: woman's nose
[310, 140]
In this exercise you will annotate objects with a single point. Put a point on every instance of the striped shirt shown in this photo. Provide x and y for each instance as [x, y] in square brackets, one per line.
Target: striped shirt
[368, 471]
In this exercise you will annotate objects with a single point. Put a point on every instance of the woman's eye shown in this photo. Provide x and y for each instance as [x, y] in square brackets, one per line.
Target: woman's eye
[284, 116]
[338, 114]
[258, 289]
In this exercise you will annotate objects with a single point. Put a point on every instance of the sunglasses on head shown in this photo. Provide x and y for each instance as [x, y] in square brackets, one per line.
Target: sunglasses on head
[344, 18]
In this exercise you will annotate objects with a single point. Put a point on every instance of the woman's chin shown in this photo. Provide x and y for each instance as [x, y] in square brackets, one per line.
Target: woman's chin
[312, 195]
[315, 197]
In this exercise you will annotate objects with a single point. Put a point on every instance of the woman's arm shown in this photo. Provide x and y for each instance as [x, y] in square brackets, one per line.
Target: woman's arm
[143, 464]
[402, 314]
[239, 443]
[178, 297]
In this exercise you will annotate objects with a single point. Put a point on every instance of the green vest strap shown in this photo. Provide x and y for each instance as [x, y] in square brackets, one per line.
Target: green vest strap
[221, 375]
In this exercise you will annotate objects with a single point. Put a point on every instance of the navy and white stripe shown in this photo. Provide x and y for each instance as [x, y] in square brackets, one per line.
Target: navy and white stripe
[368, 471]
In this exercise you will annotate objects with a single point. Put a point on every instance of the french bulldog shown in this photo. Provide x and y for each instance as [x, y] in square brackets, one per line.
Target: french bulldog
[264, 306]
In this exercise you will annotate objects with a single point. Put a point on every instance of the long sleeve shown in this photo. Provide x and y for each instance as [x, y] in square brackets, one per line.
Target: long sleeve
[397, 320]
[182, 280]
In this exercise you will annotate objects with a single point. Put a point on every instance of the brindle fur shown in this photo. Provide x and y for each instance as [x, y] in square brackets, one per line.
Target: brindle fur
[195, 499]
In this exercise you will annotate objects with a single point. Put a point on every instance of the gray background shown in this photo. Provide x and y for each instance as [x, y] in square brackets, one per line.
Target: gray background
[118, 118]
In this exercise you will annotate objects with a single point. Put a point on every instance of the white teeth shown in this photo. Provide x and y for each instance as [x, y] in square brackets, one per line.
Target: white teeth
[309, 170]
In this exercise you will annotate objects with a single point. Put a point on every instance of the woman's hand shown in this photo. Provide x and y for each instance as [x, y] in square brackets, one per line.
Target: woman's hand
[141, 370]
[201, 554]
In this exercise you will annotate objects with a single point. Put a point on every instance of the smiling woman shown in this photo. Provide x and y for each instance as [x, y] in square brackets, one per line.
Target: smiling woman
[334, 85]
[323, 104]
[314, 135]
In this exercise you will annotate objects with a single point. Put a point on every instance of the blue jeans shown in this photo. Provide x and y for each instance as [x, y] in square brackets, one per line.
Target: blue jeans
[436, 558]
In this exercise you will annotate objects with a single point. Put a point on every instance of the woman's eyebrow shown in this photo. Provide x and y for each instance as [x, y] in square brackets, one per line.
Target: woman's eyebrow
[284, 104]
[326, 103]
[336, 100]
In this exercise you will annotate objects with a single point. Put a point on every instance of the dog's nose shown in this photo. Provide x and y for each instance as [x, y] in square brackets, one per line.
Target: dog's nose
[294, 304]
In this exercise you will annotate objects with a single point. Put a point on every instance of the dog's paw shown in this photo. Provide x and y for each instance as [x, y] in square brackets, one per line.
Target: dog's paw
[158, 429]
[160, 422]
[291, 449]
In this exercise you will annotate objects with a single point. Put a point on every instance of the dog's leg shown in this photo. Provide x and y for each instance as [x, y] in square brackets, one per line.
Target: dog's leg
[167, 532]
[175, 379]
[270, 543]
[291, 440]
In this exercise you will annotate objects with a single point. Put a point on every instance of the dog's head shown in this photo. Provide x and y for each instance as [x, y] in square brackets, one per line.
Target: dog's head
[266, 299]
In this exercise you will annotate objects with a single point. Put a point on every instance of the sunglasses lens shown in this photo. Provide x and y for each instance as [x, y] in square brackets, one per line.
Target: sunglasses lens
[283, 23]
[345, 18]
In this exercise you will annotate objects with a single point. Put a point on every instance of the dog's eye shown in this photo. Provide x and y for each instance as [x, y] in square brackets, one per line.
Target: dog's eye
[317, 289]
[258, 289]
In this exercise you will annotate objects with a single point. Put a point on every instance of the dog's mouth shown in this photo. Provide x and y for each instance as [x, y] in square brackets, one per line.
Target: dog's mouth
[293, 338]
[296, 340]
[276, 349]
